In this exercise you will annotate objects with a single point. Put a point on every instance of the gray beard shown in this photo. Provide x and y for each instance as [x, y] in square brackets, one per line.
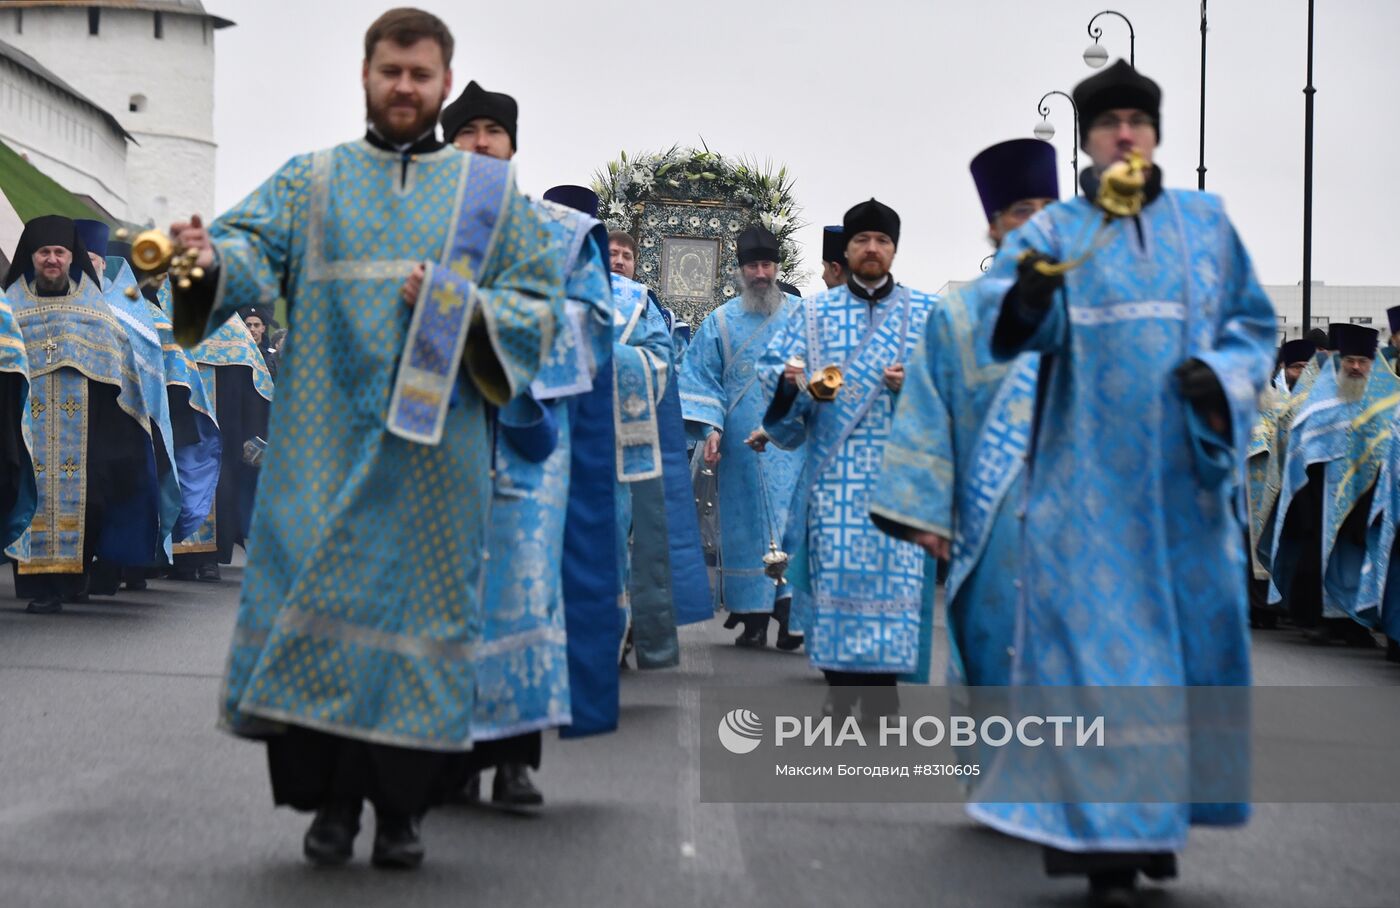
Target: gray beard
[763, 301]
[51, 287]
[1350, 389]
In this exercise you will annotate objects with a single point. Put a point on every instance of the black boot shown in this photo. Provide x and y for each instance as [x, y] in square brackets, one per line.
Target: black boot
[1113, 889]
[50, 605]
[1159, 866]
[787, 641]
[733, 621]
[1263, 619]
[840, 703]
[512, 787]
[755, 635]
[398, 845]
[1357, 635]
[876, 703]
[208, 573]
[331, 839]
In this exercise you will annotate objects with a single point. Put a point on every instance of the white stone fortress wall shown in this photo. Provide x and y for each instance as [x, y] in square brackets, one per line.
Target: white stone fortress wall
[161, 89]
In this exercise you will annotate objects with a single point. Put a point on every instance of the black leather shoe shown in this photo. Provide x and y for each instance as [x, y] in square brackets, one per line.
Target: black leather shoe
[1160, 866]
[184, 575]
[330, 841]
[397, 843]
[787, 641]
[1114, 889]
[136, 585]
[755, 635]
[840, 703]
[207, 573]
[876, 703]
[49, 606]
[512, 787]
[469, 793]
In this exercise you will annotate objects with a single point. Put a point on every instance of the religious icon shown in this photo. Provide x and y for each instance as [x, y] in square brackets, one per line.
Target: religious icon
[689, 267]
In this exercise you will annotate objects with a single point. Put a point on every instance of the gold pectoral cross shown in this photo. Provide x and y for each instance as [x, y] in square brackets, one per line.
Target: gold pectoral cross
[50, 346]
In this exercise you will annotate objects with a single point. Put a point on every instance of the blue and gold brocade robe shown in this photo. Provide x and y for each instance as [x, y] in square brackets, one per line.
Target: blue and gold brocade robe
[134, 315]
[720, 389]
[73, 342]
[196, 463]
[952, 467]
[1133, 568]
[1351, 440]
[14, 363]
[857, 593]
[361, 606]
[229, 347]
[523, 679]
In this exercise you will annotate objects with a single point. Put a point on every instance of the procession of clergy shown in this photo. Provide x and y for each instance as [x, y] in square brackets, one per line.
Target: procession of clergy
[476, 495]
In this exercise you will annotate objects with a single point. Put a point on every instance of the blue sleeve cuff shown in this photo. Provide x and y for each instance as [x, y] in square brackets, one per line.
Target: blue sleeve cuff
[529, 428]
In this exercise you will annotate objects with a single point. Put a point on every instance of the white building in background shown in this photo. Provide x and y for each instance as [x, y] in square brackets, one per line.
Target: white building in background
[150, 63]
[1332, 303]
[62, 132]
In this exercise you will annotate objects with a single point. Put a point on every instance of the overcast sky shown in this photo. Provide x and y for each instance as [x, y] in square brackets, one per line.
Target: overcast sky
[884, 98]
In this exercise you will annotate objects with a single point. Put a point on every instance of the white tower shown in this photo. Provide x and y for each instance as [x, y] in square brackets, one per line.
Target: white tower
[151, 64]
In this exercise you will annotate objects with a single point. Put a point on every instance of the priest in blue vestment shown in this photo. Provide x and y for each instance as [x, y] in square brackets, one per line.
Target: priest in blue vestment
[197, 441]
[537, 585]
[238, 385]
[1264, 459]
[93, 422]
[1336, 444]
[524, 682]
[722, 398]
[661, 555]
[18, 489]
[355, 651]
[1154, 350]
[186, 440]
[833, 374]
[951, 478]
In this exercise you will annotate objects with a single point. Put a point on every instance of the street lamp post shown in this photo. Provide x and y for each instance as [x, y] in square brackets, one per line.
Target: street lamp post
[1308, 92]
[1045, 130]
[1095, 55]
[1201, 168]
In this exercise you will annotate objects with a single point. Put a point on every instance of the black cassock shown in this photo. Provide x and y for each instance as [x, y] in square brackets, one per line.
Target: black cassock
[242, 414]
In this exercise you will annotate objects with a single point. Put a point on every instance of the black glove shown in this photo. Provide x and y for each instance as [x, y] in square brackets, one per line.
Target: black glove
[1201, 389]
[1034, 290]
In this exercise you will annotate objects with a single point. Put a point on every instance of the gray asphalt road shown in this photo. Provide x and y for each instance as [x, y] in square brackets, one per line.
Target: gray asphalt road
[116, 790]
